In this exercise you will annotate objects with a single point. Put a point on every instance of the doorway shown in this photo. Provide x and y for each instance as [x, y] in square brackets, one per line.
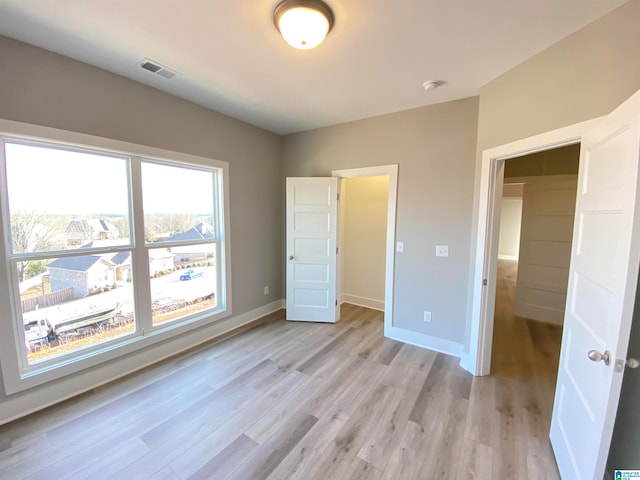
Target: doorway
[602, 281]
[390, 171]
[534, 251]
[477, 358]
[362, 240]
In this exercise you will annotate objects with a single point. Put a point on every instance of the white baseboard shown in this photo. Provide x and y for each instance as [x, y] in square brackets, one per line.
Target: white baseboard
[362, 301]
[22, 404]
[513, 258]
[425, 341]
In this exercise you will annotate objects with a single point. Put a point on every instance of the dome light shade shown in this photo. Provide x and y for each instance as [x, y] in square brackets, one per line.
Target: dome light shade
[303, 24]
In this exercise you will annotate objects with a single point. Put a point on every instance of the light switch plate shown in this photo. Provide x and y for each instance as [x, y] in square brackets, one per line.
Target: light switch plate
[442, 250]
[400, 247]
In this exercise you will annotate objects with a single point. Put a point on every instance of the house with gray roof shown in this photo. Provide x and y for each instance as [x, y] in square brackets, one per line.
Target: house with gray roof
[193, 253]
[84, 230]
[122, 265]
[82, 273]
[201, 231]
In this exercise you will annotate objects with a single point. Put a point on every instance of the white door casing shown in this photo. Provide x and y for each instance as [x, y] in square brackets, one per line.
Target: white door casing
[476, 358]
[312, 228]
[600, 299]
[392, 172]
[548, 210]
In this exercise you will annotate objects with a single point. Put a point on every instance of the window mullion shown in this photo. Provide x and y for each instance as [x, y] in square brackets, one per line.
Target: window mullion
[140, 256]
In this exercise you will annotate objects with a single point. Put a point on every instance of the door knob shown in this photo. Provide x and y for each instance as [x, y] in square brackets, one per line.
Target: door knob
[291, 257]
[596, 356]
[633, 363]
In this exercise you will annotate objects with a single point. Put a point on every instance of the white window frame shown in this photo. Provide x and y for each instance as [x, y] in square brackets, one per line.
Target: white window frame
[19, 376]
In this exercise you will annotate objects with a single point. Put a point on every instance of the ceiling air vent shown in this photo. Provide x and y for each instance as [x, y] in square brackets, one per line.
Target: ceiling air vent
[155, 67]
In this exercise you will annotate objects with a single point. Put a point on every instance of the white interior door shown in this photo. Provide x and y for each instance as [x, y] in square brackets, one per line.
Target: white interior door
[602, 288]
[548, 209]
[312, 228]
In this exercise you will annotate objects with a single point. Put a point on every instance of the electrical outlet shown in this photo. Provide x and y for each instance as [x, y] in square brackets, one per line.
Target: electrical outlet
[442, 250]
[266, 290]
[427, 317]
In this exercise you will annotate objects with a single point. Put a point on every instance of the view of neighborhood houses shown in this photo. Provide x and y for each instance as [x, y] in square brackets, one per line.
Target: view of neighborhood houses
[87, 299]
[72, 302]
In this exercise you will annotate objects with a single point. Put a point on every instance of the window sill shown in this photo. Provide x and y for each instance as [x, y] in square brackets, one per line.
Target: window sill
[39, 375]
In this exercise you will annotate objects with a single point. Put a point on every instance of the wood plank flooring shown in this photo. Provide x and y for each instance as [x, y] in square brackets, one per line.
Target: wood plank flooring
[306, 401]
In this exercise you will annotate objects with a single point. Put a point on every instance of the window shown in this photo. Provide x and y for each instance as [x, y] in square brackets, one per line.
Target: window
[179, 218]
[108, 249]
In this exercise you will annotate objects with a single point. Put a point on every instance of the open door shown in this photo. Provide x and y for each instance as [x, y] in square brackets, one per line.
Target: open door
[602, 287]
[312, 231]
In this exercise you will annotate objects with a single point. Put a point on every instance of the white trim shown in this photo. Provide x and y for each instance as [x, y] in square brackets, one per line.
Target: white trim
[362, 301]
[63, 389]
[16, 377]
[425, 341]
[392, 172]
[477, 357]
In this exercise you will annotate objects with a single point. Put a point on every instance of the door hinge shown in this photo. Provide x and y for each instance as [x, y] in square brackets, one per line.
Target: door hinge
[336, 250]
[338, 197]
[336, 302]
[484, 282]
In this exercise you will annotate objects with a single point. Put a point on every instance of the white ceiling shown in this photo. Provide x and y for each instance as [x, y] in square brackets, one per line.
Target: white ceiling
[231, 58]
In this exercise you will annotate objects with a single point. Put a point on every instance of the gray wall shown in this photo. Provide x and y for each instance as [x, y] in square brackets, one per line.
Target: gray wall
[435, 149]
[44, 88]
[585, 75]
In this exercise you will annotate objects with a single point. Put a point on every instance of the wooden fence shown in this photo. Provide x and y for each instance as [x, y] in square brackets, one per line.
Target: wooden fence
[48, 300]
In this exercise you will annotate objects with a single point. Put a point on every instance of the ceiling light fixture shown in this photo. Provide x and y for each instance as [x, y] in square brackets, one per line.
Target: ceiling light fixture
[303, 24]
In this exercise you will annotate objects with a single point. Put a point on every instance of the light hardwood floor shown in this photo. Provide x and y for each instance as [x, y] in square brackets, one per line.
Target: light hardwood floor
[306, 401]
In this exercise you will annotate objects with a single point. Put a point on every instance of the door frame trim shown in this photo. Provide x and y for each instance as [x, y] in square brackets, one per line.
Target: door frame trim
[476, 357]
[392, 172]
